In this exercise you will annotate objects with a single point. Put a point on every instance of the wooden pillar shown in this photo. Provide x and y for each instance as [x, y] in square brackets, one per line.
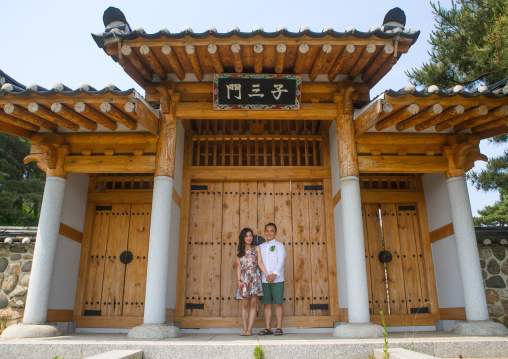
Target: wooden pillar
[160, 226]
[352, 222]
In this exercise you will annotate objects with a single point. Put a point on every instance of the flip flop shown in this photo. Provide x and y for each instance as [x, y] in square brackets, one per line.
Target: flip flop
[266, 332]
[278, 332]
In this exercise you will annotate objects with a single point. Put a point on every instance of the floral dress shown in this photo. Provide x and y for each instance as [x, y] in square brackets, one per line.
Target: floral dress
[250, 275]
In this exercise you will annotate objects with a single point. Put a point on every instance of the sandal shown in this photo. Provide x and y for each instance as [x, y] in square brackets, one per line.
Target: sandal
[266, 332]
[278, 332]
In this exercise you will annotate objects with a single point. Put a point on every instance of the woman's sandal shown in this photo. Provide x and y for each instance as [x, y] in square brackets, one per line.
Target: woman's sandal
[278, 332]
[266, 332]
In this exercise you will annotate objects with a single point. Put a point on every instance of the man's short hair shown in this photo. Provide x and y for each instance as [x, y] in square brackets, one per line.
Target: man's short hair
[271, 224]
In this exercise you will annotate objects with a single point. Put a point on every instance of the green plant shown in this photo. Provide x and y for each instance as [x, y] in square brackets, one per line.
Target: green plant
[385, 335]
[258, 352]
[411, 345]
[3, 322]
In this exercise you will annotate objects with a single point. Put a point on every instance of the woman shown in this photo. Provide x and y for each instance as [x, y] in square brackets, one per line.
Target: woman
[248, 264]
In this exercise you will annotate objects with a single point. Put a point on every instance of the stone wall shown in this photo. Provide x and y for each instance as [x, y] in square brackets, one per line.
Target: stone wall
[15, 267]
[494, 263]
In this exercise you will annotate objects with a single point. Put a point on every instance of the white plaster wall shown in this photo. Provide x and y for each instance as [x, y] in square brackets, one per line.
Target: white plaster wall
[74, 207]
[180, 139]
[340, 256]
[66, 266]
[173, 256]
[444, 251]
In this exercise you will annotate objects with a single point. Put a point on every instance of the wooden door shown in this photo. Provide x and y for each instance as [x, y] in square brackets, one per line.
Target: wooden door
[298, 210]
[394, 258]
[118, 260]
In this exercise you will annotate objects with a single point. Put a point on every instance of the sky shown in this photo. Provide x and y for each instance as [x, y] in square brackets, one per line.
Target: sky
[44, 42]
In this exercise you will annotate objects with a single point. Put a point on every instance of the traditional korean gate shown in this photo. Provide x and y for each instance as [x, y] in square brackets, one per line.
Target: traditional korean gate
[218, 212]
[395, 264]
[118, 260]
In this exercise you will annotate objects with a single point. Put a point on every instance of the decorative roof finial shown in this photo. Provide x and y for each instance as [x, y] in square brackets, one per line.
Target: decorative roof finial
[114, 18]
[394, 18]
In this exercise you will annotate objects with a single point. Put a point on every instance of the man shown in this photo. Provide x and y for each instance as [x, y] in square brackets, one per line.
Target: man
[273, 254]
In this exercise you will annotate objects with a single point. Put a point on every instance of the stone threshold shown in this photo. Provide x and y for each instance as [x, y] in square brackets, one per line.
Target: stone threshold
[290, 346]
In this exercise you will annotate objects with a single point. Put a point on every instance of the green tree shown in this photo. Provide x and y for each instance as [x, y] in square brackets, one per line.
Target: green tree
[495, 215]
[469, 45]
[22, 185]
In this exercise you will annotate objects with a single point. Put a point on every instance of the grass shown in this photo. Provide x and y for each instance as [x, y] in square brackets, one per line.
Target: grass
[385, 335]
[258, 352]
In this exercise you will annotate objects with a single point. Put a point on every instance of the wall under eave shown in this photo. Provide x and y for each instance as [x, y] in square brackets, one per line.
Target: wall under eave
[66, 267]
[337, 215]
[175, 220]
[444, 251]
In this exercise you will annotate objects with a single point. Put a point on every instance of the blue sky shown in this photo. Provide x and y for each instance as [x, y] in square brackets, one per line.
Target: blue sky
[45, 42]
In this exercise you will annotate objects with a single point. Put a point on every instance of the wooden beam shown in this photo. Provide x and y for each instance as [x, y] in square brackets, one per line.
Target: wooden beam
[85, 110]
[343, 57]
[368, 118]
[110, 164]
[385, 68]
[280, 173]
[492, 115]
[121, 196]
[14, 130]
[20, 112]
[59, 315]
[43, 112]
[205, 111]
[194, 61]
[215, 58]
[173, 61]
[367, 53]
[326, 49]
[493, 124]
[146, 117]
[441, 232]
[336, 198]
[457, 313]
[177, 198]
[62, 110]
[155, 65]
[397, 117]
[236, 49]
[109, 138]
[281, 56]
[129, 54]
[118, 116]
[474, 112]
[403, 164]
[303, 49]
[493, 132]
[14, 121]
[443, 116]
[258, 58]
[423, 116]
[70, 233]
[379, 60]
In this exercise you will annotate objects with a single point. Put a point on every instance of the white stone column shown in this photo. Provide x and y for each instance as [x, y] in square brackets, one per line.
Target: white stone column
[36, 307]
[467, 249]
[158, 251]
[356, 269]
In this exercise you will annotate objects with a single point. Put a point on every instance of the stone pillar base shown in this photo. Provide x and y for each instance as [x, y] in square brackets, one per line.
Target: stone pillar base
[479, 327]
[30, 331]
[358, 330]
[154, 332]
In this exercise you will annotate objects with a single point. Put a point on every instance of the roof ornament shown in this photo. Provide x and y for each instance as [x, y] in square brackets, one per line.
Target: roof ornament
[58, 86]
[211, 29]
[281, 28]
[395, 18]
[327, 28]
[114, 18]
[187, 29]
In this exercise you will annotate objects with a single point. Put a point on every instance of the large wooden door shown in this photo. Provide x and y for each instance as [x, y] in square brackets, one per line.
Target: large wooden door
[118, 259]
[397, 281]
[220, 210]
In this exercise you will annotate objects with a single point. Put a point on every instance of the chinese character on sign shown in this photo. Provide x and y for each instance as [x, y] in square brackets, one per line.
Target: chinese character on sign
[235, 87]
[256, 89]
[278, 91]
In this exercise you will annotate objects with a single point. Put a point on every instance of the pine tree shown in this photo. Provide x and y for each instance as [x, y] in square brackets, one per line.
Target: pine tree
[469, 45]
[22, 185]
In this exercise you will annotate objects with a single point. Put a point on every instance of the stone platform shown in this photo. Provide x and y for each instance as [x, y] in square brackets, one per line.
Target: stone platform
[291, 346]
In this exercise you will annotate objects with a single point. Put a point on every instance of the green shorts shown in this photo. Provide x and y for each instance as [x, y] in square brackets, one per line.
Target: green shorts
[273, 293]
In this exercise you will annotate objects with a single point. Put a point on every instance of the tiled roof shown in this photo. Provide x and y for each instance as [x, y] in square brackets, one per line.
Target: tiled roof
[492, 235]
[17, 235]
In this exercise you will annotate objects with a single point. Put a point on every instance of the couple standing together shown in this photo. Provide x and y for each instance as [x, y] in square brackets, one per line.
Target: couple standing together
[268, 258]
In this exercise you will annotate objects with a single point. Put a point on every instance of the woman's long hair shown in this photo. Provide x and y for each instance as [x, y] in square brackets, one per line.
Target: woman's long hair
[241, 241]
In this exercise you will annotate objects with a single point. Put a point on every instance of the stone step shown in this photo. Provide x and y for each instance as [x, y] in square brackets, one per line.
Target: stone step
[119, 354]
[400, 353]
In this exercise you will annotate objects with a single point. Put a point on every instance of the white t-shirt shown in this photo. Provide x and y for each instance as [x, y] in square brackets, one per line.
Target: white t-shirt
[273, 259]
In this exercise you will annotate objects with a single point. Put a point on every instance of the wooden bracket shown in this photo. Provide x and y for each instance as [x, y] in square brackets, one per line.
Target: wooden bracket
[461, 153]
[50, 156]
